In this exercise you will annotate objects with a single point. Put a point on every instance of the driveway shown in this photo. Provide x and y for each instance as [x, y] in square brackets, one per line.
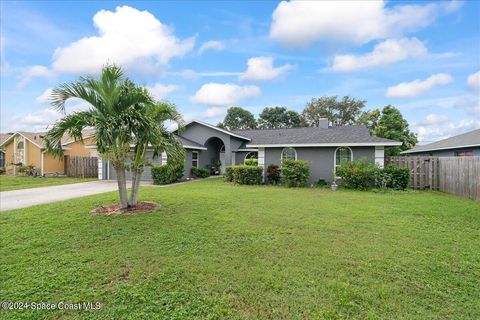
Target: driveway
[17, 199]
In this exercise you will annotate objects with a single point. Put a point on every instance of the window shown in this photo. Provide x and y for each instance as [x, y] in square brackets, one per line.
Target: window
[343, 154]
[20, 145]
[251, 155]
[195, 159]
[468, 153]
[289, 154]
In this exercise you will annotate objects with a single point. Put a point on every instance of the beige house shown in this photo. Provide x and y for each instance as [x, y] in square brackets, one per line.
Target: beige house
[28, 148]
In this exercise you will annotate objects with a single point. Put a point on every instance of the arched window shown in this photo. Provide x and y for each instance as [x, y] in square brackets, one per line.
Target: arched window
[289, 154]
[343, 154]
[20, 145]
[251, 155]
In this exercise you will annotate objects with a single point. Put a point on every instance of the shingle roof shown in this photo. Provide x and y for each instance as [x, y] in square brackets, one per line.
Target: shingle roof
[471, 138]
[190, 143]
[355, 134]
[4, 136]
[37, 137]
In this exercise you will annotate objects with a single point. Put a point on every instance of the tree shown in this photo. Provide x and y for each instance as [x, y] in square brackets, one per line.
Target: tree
[239, 118]
[390, 124]
[278, 117]
[119, 112]
[340, 113]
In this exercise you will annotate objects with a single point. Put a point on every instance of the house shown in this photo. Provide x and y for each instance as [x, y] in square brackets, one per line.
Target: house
[467, 144]
[3, 137]
[324, 147]
[28, 148]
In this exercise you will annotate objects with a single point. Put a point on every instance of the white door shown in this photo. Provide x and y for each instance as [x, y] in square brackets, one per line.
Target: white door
[222, 160]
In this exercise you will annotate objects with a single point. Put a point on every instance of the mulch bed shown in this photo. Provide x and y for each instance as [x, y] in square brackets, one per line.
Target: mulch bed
[114, 209]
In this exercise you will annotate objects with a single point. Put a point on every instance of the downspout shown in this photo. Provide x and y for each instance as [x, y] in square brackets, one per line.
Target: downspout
[42, 161]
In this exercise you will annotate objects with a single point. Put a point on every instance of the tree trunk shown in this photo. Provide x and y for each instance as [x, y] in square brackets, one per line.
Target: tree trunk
[137, 174]
[122, 186]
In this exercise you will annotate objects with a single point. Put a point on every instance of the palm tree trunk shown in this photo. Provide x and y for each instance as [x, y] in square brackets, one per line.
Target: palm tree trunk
[122, 186]
[137, 174]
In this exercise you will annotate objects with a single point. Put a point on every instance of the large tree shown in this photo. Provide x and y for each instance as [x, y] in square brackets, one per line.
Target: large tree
[121, 114]
[389, 123]
[239, 118]
[339, 112]
[278, 117]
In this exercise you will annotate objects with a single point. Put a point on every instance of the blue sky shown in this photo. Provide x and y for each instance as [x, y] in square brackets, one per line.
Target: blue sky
[423, 57]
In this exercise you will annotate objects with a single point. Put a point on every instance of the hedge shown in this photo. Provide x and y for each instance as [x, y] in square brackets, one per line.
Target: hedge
[251, 162]
[394, 177]
[167, 173]
[295, 173]
[200, 173]
[244, 174]
[273, 174]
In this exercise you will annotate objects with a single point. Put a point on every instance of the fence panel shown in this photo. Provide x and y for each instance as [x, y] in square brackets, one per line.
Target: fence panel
[81, 167]
[456, 175]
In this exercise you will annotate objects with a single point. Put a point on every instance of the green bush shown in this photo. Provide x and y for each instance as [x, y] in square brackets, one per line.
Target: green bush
[167, 173]
[397, 177]
[273, 174]
[251, 162]
[244, 174]
[200, 173]
[359, 174]
[295, 173]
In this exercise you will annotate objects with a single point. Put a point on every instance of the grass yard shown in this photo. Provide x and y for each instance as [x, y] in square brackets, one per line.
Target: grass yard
[220, 251]
[8, 183]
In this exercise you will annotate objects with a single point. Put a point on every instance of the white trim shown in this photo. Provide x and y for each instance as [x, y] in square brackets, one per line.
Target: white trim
[100, 169]
[198, 158]
[444, 148]
[245, 158]
[164, 158]
[380, 156]
[13, 135]
[192, 147]
[294, 145]
[42, 162]
[247, 150]
[281, 153]
[218, 129]
[261, 161]
[335, 165]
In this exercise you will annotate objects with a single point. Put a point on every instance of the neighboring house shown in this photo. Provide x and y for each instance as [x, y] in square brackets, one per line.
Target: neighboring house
[467, 144]
[3, 137]
[324, 147]
[28, 148]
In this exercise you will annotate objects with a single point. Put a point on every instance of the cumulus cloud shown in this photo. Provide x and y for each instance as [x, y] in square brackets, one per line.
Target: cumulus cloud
[300, 23]
[224, 94]
[44, 98]
[418, 86]
[34, 72]
[211, 45]
[261, 68]
[160, 91]
[434, 118]
[473, 81]
[386, 52]
[432, 132]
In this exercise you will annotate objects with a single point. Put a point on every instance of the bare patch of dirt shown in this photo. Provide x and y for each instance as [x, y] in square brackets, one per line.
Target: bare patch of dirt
[114, 209]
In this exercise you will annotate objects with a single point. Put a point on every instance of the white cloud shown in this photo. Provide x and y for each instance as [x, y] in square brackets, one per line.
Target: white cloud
[473, 81]
[44, 98]
[211, 45]
[215, 112]
[428, 133]
[191, 74]
[261, 68]
[433, 118]
[128, 37]
[300, 23]
[160, 91]
[34, 121]
[418, 86]
[386, 52]
[470, 105]
[34, 72]
[223, 94]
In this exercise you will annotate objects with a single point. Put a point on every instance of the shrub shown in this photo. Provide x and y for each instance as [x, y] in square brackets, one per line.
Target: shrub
[321, 183]
[251, 162]
[244, 174]
[396, 177]
[273, 174]
[167, 173]
[200, 173]
[358, 174]
[295, 173]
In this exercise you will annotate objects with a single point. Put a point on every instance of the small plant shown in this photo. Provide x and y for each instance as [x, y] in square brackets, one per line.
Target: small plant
[251, 162]
[273, 174]
[167, 173]
[321, 183]
[200, 173]
[295, 173]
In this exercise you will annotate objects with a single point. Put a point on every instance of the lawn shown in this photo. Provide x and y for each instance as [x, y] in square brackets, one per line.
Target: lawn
[8, 183]
[215, 250]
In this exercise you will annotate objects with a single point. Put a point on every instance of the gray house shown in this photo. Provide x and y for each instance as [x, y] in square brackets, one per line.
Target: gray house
[324, 147]
[467, 144]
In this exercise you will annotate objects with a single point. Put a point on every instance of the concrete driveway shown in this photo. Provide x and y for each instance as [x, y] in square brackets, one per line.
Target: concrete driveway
[17, 199]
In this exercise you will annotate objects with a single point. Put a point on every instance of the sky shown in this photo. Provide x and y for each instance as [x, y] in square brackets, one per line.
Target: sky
[422, 57]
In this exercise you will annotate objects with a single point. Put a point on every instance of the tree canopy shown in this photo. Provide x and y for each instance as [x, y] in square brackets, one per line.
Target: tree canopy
[278, 117]
[239, 118]
[339, 112]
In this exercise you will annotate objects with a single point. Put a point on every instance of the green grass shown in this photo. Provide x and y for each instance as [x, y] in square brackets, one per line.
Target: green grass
[8, 183]
[215, 250]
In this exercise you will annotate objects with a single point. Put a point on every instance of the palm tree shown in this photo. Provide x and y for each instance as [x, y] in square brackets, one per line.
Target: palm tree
[114, 112]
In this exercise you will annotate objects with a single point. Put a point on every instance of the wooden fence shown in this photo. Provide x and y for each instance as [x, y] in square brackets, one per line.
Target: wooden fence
[81, 167]
[456, 175]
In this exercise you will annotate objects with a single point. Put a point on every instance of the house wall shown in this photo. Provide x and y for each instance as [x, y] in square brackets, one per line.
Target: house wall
[445, 153]
[321, 159]
[78, 148]
[53, 164]
[147, 173]
[9, 153]
[33, 155]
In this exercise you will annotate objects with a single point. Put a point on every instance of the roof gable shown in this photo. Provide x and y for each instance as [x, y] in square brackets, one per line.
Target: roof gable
[208, 125]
